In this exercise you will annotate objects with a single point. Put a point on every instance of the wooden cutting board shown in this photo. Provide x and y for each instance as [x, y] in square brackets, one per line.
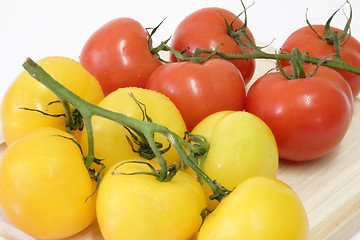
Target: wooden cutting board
[329, 187]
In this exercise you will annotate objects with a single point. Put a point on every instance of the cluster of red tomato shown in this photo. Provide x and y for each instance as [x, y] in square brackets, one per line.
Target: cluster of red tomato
[43, 181]
[308, 117]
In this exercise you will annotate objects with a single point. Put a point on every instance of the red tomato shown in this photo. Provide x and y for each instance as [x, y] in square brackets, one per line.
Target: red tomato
[199, 90]
[308, 116]
[307, 41]
[206, 29]
[118, 55]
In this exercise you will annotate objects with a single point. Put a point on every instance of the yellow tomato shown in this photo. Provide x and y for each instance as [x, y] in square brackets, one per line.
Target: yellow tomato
[26, 92]
[44, 185]
[241, 146]
[134, 207]
[110, 142]
[260, 208]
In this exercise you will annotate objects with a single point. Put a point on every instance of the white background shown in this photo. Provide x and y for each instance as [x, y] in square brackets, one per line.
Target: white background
[41, 28]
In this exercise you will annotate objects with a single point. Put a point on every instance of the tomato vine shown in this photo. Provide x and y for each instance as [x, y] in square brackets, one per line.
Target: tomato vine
[191, 148]
[243, 39]
[145, 129]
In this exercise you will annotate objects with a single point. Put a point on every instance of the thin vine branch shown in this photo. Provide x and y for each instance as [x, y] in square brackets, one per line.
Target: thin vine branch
[243, 39]
[259, 54]
[148, 129]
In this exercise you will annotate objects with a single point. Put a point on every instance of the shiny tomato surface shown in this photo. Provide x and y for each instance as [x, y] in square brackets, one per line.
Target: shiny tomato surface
[206, 29]
[199, 90]
[118, 55]
[308, 116]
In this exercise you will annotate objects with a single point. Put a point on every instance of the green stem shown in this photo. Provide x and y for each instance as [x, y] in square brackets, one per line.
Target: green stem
[148, 129]
[86, 109]
[68, 112]
[336, 62]
[333, 63]
[258, 53]
[176, 141]
[336, 45]
[297, 63]
[149, 137]
[90, 137]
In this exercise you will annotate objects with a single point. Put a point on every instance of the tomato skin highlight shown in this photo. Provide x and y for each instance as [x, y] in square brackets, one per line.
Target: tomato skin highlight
[308, 116]
[199, 90]
[307, 41]
[139, 206]
[206, 29]
[44, 185]
[259, 208]
[118, 55]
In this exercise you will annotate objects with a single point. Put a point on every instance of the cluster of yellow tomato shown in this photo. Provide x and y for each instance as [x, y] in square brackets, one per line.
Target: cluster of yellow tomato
[46, 191]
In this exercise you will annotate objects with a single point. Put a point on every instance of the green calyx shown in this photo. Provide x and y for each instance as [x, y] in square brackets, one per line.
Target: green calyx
[297, 61]
[171, 170]
[73, 117]
[150, 40]
[138, 141]
[239, 35]
[333, 37]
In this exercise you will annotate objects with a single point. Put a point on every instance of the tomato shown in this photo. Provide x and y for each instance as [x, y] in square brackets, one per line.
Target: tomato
[259, 208]
[118, 55]
[206, 29]
[110, 142]
[141, 207]
[307, 41]
[308, 116]
[44, 185]
[241, 146]
[199, 90]
[27, 92]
